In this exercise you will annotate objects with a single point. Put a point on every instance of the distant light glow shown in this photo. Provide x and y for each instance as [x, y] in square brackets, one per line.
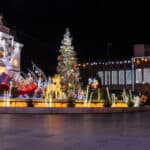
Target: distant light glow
[2, 69]
[15, 63]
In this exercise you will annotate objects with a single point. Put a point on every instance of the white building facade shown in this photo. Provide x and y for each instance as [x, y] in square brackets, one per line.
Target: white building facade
[10, 51]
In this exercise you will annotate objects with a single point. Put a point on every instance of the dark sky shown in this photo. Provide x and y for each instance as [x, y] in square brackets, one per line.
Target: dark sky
[40, 26]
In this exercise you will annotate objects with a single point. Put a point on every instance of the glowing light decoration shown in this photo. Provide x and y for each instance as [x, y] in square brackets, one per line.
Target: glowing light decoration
[9, 51]
[137, 61]
[67, 66]
[15, 63]
[142, 59]
[84, 65]
[95, 84]
[2, 69]
[146, 60]
[2, 54]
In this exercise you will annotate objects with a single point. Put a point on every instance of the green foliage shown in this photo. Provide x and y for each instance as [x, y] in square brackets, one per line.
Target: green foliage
[107, 103]
[104, 95]
[130, 103]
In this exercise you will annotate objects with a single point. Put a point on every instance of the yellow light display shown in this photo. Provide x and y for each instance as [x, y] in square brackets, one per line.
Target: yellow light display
[146, 59]
[119, 104]
[2, 69]
[95, 84]
[84, 65]
[142, 58]
[15, 63]
[69, 84]
[72, 70]
[62, 77]
[2, 54]
[137, 62]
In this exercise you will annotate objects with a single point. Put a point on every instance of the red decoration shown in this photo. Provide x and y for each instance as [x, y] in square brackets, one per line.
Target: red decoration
[65, 86]
[59, 58]
[64, 70]
[71, 76]
[78, 86]
[27, 89]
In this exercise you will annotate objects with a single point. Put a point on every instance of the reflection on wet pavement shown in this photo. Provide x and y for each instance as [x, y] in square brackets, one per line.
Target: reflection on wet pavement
[127, 131]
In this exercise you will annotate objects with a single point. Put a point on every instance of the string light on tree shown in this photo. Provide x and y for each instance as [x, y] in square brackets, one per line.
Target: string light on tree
[67, 66]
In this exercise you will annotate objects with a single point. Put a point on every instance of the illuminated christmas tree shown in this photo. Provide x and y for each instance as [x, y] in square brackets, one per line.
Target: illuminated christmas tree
[68, 67]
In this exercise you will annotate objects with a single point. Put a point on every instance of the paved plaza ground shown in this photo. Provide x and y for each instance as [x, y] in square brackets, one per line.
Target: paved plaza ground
[118, 131]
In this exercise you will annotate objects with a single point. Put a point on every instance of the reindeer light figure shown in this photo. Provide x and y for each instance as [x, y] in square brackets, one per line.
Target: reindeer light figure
[57, 86]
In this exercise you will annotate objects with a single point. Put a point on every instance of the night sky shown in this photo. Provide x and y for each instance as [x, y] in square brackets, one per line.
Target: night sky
[40, 26]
